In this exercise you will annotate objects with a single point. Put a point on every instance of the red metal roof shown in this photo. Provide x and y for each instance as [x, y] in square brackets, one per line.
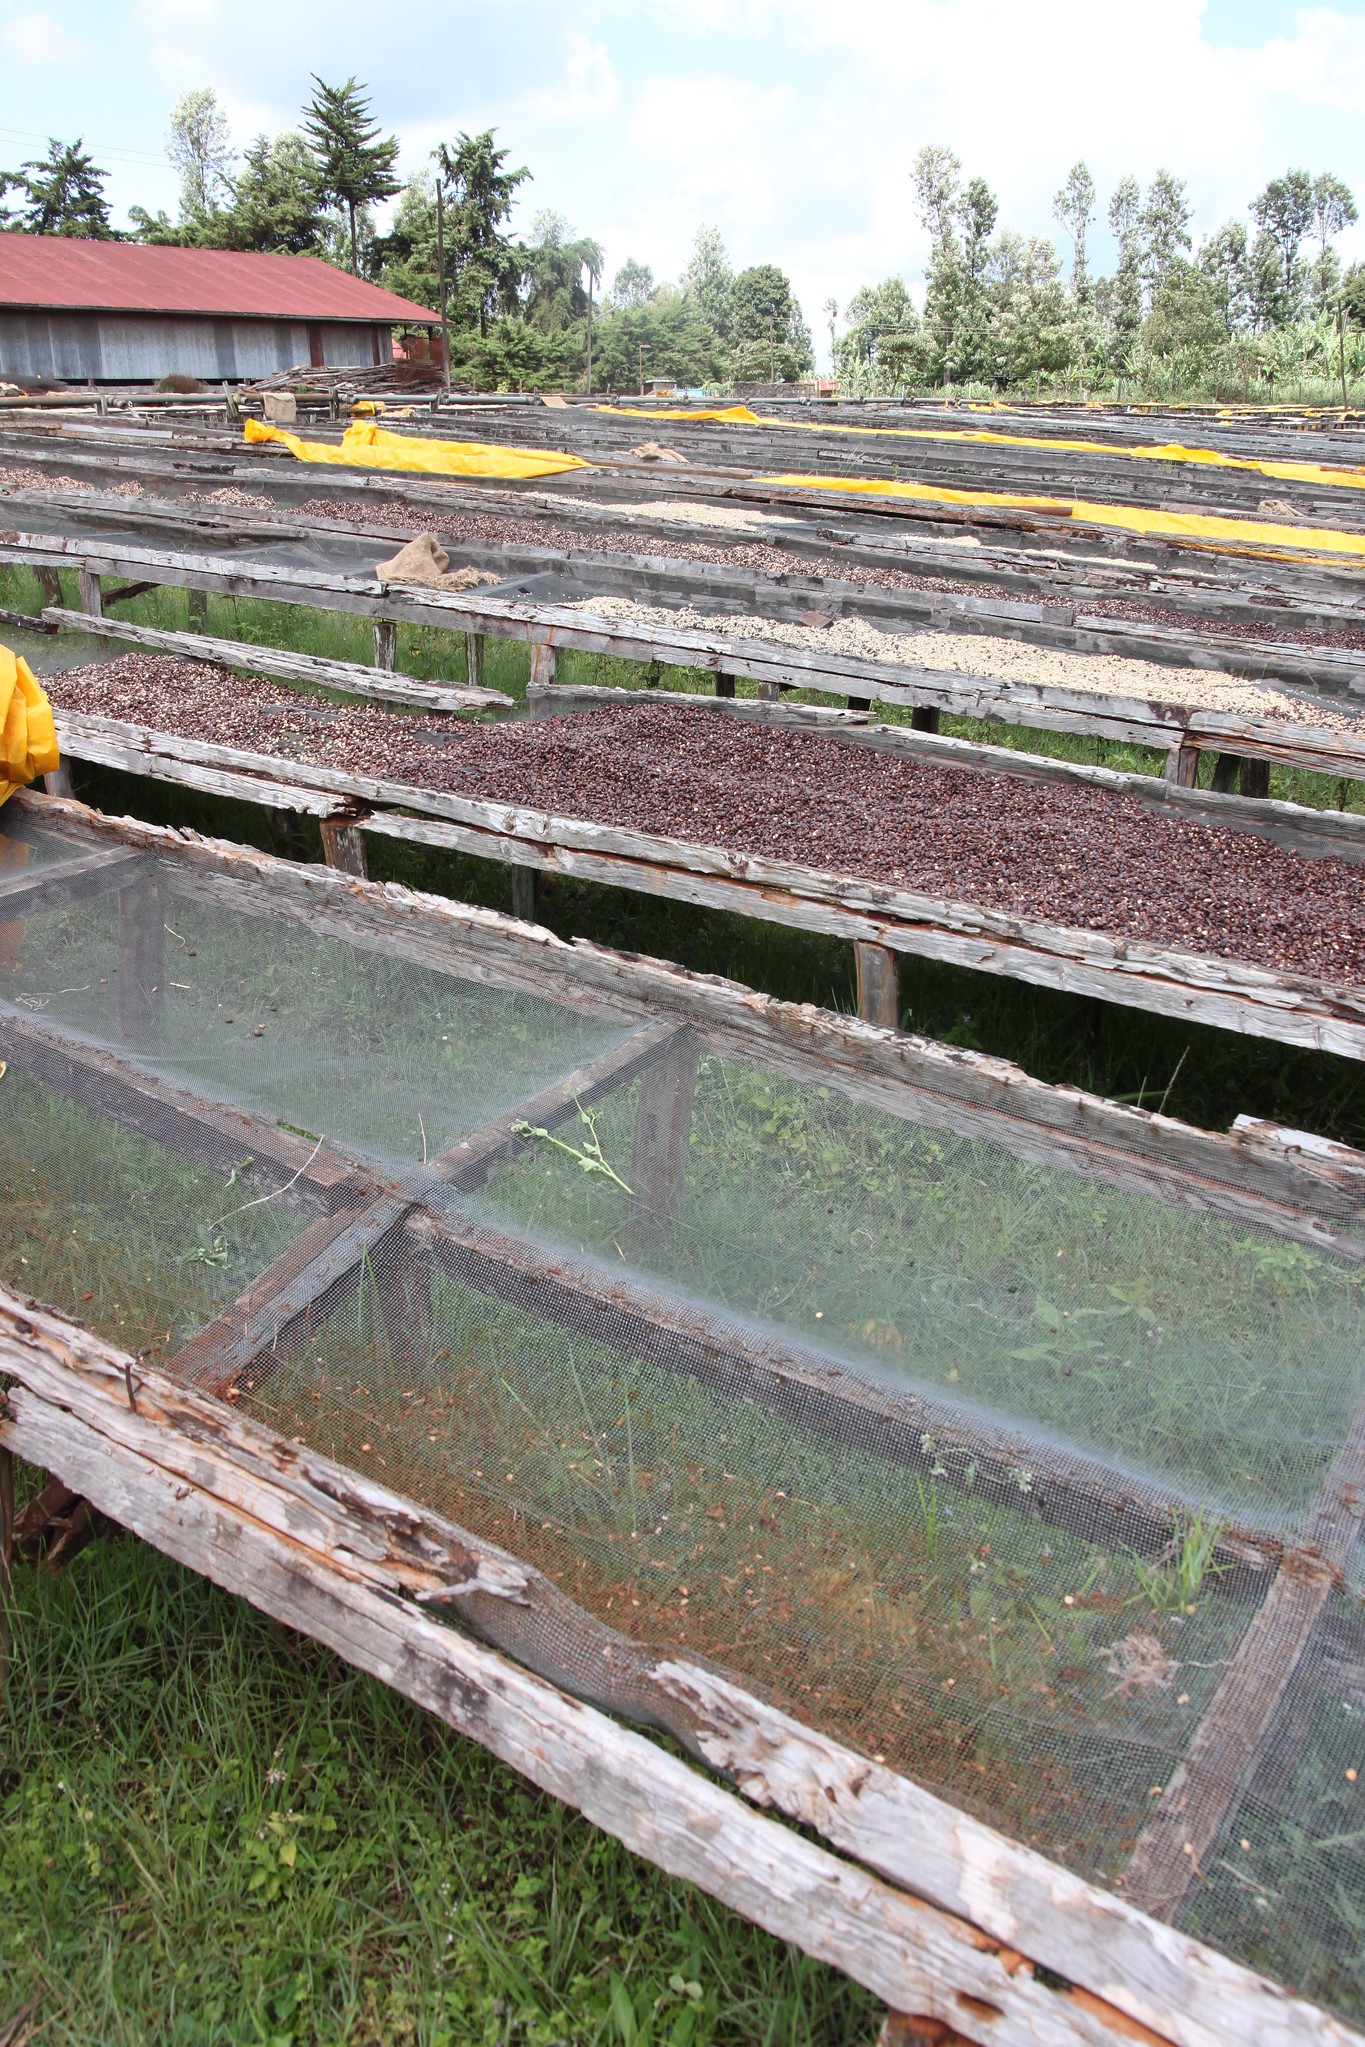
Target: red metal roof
[59, 270]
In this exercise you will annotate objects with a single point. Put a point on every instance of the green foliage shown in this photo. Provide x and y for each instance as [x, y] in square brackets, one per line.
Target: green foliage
[707, 282]
[664, 337]
[200, 148]
[215, 1832]
[485, 266]
[355, 159]
[62, 194]
[277, 200]
[762, 310]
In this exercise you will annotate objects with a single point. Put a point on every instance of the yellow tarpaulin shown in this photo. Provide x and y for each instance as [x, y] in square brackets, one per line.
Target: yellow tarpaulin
[1128, 518]
[366, 446]
[1167, 451]
[28, 739]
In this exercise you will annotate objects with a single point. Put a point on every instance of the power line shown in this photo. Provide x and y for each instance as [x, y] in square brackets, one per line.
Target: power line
[97, 148]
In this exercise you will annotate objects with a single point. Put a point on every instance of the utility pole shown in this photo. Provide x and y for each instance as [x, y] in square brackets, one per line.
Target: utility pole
[441, 266]
[642, 369]
[772, 351]
[592, 279]
[1341, 346]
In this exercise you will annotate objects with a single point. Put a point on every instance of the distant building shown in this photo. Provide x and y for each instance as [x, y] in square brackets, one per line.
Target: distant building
[123, 313]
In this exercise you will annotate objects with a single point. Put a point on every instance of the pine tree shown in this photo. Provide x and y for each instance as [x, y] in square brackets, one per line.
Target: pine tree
[480, 190]
[355, 163]
[65, 194]
[707, 282]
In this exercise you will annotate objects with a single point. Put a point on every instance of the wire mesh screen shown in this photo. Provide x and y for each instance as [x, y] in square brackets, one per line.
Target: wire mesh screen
[1041, 1486]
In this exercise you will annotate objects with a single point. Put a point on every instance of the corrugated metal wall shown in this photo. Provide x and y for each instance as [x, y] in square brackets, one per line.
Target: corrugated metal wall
[134, 348]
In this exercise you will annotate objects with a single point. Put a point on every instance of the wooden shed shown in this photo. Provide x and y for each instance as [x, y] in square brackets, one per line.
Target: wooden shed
[118, 312]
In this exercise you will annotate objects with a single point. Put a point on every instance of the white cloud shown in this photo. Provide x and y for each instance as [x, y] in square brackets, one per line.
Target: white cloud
[41, 39]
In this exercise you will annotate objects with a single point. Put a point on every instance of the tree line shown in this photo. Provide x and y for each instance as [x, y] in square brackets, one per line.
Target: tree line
[1262, 303]
[522, 313]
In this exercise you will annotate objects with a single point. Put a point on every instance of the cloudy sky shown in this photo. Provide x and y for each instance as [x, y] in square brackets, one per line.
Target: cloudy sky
[789, 124]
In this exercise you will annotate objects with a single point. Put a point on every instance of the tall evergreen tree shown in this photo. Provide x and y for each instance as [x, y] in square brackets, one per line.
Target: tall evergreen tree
[935, 176]
[480, 191]
[1285, 212]
[1225, 261]
[64, 194]
[355, 162]
[707, 282]
[1165, 226]
[1125, 293]
[1074, 207]
[200, 148]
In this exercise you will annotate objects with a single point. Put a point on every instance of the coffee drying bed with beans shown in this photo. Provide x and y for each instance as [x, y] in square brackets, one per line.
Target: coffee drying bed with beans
[758, 557]
[1067, 855]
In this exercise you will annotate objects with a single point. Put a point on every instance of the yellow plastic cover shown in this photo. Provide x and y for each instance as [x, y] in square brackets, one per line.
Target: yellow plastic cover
[366, 446]
[28, 738]
[1167, 451]
[1221, 531]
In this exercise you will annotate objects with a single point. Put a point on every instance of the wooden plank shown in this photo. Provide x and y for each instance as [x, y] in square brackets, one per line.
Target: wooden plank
[879, 986]
[765, 661]
[544, 661]
[283, 1526]
[223, 1138]
[385, 644]
[1222, 1757]
[295, 1291]
[663, 1129]
[91, 594]
[351, 678]
[53, 887]
[343, 846]
[1284, 1181]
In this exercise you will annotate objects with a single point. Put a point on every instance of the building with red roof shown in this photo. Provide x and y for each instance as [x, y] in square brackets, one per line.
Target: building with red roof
[125, 313]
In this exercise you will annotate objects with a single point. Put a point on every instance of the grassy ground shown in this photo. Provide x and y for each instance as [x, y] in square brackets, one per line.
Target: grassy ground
[216, 1833]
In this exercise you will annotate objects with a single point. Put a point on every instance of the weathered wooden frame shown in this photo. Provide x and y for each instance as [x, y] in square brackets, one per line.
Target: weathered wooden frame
[953, 1918]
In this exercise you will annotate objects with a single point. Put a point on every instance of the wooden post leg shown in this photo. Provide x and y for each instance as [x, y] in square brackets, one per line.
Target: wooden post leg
[343, 846]
[859, 703]
[141, 961]
[725, 685]
[198, 611]
[473, 660]
[924, 718]
[663, 1129]
[1182, 765]
[769, 693]
[59, 783]
[526, 894]
[879, 985]
[1255, 778]
[385, 644]
[92, 595]
[50, 584]
[544, 662]
[6, 1562]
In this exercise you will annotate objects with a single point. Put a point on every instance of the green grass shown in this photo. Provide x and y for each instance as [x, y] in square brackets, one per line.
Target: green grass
[216, 1833]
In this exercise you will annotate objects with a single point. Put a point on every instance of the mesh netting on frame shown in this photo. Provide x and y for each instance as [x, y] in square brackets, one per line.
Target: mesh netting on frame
[1000, 1469]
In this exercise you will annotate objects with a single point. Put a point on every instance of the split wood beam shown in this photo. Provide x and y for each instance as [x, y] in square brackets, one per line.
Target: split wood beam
[936, 1913]
[299, 1290]
[350, 678]
[1174, 1848]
